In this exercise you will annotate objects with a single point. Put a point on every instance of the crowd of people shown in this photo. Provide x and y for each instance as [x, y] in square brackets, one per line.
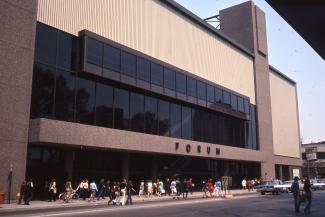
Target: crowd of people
[249, 184]
[120, 193]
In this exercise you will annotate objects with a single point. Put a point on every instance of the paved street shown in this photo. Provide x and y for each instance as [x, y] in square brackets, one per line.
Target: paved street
[245, 206]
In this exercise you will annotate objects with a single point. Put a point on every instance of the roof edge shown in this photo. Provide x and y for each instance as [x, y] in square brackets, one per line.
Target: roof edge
[282, 75]
[176, 6]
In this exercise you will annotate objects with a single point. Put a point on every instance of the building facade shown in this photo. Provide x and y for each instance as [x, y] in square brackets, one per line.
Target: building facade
[314, 168]
[141, 90]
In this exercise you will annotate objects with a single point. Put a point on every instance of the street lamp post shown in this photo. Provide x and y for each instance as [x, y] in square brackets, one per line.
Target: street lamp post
[10, 181]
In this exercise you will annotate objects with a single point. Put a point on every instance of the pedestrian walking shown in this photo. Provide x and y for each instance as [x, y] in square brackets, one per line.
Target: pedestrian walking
[210, 187]
[150, 188]
[173, 188]
[142, 189]
[184, 188]
[28, 195]
[218, 188]
[52, 190]
[22, 191]
[205, 189]
[101, 189]
[117, 192]
[92, 189]
[296, 193]
[167, 186]
[123, 191]
[308, 195]
[243, 183]
[178, 187]
[129, 190]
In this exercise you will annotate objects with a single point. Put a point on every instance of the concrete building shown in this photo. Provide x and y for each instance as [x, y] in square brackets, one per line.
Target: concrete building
[314, 168]
[142, 90]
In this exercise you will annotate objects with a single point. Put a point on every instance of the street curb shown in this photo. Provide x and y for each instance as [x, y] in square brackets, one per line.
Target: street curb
[102, 203]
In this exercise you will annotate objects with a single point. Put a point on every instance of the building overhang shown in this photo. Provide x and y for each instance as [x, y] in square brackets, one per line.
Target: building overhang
[306, 17]
[66, 134]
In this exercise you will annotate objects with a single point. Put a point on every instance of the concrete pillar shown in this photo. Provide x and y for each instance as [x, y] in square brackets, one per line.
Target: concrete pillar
[69, 158]
[17, 39]
[154, 168]
[125, 166]
[245, 23]
[280, 172]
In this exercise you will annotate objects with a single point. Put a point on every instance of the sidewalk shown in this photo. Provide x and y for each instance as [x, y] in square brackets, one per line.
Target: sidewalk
[38, 205]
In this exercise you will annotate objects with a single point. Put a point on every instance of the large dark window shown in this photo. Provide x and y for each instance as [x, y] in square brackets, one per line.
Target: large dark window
[210, 93]
[143, 69]
[157, 74]
[129, 64]
[104, 105]
[180, 83]
[240, 104]
[45, 46]
[186, 123]
[137, 112]
[43, 92]
[175, 120]
[64, 96]
[191, 86]
[169, 79]
[121, 109]
[85, 101]
[151, 121]
[226, 97]
[218, 95]
[67, 48]
[94, 52]
[112, 58]
[198, 124]
[233, 99]
[201, 90]
[163, 118]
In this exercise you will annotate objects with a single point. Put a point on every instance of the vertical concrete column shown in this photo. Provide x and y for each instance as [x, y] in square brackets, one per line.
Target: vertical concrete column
[125, 166]
[154, 168]
[245, 23]
[69, 158]
[17, 39]
[280, 172]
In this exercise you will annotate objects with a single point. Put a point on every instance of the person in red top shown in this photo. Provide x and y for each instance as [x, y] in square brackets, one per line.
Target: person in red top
[210, 188]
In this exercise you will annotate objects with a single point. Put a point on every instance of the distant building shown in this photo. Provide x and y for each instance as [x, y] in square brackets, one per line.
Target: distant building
[316, 167]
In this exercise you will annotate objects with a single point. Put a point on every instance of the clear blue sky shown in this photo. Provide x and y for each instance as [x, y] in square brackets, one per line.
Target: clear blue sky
[289, 53]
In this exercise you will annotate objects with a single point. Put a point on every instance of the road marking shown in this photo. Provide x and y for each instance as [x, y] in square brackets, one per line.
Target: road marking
[156, 205]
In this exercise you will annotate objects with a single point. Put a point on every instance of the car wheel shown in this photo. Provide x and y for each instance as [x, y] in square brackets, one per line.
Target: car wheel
[277, 192]
[263, 193]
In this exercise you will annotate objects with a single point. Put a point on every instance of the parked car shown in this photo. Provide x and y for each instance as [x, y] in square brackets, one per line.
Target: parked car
[317, 184]
[274, 187]
[286, 185]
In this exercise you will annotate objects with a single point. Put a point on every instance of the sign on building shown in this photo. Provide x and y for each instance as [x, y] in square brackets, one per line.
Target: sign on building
[311, 153]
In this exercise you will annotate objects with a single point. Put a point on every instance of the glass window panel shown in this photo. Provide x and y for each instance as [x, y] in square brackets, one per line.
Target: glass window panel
[104, 105]
[186, 123]
[226, 97]
[233, 98]
[112, 58]
[143, 69]
[67, 46]
[45, 44]
[175, 120]
[94, 52]
[42, 92]
[210, 93]
[163, 118]
[137, 112]
[151, 116]
[85, 101]
[201, 90]
[191, 86]
[121, 109]
[128, 64]
[246, 106]
[180, 83]
[240, 104]
[169, 79]
[64, 96]
[198, 124]
[157, 74]
[218, 95]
